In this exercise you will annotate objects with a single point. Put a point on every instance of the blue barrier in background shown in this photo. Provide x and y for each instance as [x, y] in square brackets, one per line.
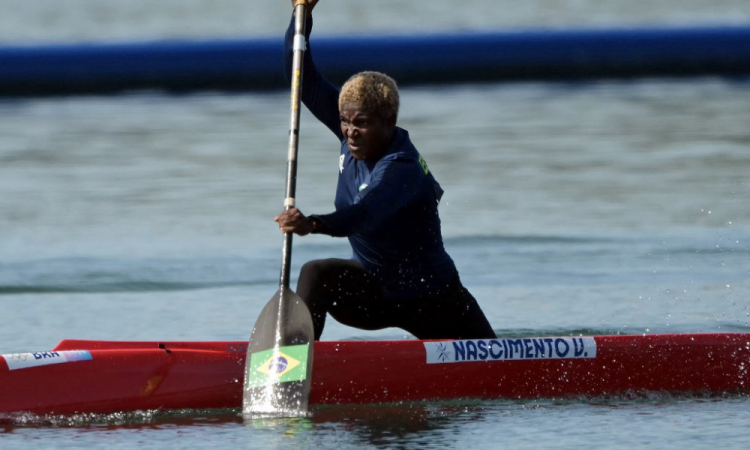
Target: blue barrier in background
[445, 58]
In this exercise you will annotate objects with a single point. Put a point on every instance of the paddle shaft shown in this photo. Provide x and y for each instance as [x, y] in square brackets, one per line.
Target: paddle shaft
[278, 364]
[291, 176]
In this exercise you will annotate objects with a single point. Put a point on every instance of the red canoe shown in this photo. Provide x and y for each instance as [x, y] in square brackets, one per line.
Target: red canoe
[96, 376]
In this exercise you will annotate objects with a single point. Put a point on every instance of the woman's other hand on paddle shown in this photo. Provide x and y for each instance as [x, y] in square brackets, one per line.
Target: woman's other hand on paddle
[310, 5]
[293, 221]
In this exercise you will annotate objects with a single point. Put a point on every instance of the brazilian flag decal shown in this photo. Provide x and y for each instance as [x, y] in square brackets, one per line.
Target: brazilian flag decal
[278, 365]
[423, 163]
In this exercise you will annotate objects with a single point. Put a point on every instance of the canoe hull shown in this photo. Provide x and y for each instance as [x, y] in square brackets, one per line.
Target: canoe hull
[102, 376]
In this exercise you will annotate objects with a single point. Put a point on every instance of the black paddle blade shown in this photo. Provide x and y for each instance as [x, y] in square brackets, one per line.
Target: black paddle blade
[279, 359]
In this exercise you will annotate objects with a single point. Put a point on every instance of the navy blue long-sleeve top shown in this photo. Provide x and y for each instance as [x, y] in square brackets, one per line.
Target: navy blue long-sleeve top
[387, 207]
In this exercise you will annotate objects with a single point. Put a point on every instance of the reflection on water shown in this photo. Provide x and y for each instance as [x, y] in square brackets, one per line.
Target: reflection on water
[411, 425]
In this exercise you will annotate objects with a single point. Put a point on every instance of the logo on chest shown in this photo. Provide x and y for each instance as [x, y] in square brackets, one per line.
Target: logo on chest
[341, 164]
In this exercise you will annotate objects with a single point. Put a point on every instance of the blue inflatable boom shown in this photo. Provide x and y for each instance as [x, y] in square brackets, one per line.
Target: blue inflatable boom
[182, 66]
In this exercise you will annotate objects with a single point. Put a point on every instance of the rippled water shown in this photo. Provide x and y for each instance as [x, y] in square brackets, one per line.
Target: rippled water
[587, 208]
[97, 20]
[598, 207]
[668, 423]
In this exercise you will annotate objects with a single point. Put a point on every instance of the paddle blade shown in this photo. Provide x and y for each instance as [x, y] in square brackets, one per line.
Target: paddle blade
[279, 359]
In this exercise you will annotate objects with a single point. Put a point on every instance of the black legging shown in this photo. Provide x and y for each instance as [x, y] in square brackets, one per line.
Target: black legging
[343, 289]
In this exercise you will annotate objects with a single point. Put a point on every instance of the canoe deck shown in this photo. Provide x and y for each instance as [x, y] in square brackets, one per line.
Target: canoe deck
[105, 376]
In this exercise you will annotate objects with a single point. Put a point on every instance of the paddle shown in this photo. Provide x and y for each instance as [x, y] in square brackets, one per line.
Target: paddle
[279, 356]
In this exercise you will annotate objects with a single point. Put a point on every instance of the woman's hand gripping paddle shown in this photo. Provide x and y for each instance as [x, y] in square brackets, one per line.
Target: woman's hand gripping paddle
[280, 354]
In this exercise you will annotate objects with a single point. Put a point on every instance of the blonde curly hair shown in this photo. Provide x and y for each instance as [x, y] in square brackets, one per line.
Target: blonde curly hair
[373, 91]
